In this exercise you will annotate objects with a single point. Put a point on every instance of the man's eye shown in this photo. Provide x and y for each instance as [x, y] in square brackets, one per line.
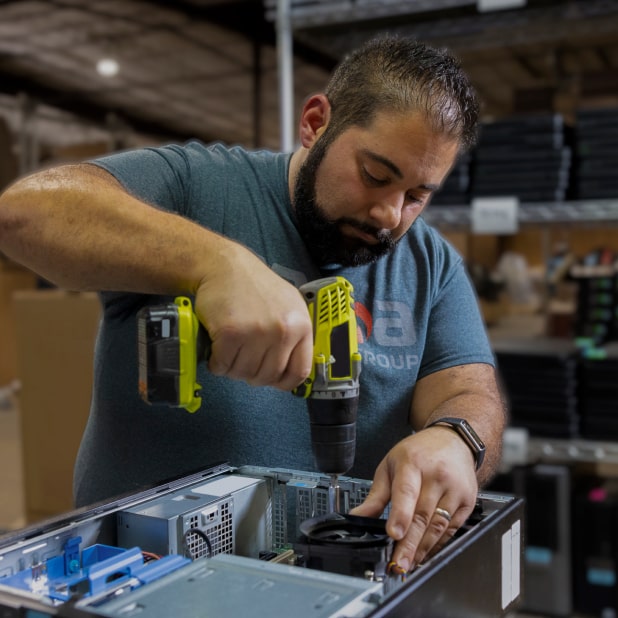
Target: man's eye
[372, 180]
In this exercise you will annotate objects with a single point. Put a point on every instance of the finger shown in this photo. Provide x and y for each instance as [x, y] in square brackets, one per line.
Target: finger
[281, 358]
[298, 366]
[405, 494]
[443, 541]
[438, 531]
[442, 525]
[458, 519]
[225, 349]
[406, 553]
[413, 544]
[378, 497]
[279, 366]
[255, 364]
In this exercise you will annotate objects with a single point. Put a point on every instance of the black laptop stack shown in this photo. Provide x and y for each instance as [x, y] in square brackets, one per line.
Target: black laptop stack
[598, 394]
[597, 297]
[455, 190]
[596, 148]
[524, 156]
[539, 377]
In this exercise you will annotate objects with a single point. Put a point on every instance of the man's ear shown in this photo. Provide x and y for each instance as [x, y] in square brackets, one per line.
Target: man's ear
[314, 119]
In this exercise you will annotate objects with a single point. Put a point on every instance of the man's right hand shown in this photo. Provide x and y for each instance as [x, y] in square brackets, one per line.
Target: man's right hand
[259, 324]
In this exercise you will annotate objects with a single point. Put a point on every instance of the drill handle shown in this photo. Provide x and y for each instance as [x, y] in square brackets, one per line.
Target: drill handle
[203, 344]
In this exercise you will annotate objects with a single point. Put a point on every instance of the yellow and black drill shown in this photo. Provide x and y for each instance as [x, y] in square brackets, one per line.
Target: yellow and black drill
[172, 342]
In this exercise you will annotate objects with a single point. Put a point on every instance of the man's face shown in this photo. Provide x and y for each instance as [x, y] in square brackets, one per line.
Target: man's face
[357, 195]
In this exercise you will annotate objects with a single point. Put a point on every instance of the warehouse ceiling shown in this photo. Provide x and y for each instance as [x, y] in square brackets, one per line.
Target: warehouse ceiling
[209, 68]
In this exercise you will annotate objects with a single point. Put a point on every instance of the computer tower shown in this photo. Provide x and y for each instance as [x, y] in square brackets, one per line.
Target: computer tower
[596, 549]
[547, 556]
[244, 541]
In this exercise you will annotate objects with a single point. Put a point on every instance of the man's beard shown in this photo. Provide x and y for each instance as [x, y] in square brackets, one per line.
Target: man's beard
[322, 236]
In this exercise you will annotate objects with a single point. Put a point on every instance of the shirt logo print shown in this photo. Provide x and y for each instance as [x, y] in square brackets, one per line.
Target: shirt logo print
[393, 326]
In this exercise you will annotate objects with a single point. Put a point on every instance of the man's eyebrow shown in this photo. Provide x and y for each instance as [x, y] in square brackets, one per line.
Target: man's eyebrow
[384, 161]
[393, 168]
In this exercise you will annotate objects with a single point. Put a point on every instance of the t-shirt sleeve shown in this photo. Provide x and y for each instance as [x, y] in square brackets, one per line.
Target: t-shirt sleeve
[158, 176]
[456, 333]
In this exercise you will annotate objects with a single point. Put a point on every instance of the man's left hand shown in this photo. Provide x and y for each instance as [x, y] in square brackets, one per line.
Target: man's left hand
[428, 478]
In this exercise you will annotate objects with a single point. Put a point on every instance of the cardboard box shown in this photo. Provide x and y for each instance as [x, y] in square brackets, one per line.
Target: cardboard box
[56, 332]
[12, 278]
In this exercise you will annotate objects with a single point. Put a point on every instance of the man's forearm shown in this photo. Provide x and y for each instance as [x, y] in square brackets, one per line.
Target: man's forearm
[77, 227]
[470, 392]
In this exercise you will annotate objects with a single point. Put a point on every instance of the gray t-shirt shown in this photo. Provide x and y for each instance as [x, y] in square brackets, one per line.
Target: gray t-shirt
[416, 309]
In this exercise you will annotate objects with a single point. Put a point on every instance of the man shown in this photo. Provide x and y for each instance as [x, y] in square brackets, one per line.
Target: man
[240, 231]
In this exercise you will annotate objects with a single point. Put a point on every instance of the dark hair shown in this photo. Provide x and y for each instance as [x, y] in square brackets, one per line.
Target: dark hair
[399, 74]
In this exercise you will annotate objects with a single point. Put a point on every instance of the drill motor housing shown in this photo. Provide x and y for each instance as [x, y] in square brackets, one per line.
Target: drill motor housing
[332, 388]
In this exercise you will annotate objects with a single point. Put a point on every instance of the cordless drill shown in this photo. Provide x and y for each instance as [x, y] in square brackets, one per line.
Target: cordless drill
[171, 343]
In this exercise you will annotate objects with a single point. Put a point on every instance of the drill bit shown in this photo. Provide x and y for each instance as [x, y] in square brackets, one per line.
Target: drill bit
[333, 494]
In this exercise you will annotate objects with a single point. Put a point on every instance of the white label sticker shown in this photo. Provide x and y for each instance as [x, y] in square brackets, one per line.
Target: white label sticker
[515, 559]
[511, 564]
[495, 215]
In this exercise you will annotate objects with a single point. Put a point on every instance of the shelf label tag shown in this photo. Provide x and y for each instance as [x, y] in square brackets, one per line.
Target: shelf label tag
[495, 215]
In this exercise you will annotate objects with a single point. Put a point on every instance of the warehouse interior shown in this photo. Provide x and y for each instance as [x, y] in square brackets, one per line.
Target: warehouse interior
[533, 209]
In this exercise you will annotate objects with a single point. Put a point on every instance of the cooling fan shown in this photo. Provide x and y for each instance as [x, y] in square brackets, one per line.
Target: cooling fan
[340, 529]
[345, 544]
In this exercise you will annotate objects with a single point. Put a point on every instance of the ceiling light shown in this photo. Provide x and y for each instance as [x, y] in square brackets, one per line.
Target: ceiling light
[107, 67]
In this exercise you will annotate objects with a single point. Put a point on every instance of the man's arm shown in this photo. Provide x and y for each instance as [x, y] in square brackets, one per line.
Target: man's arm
[465, 391]
[435, 467]
[77, 227]
[80, 229]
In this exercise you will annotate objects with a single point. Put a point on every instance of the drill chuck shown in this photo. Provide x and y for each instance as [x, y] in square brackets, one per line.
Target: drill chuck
[333, 433]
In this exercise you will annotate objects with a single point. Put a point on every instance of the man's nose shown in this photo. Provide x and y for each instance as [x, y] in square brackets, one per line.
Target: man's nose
[386, 211]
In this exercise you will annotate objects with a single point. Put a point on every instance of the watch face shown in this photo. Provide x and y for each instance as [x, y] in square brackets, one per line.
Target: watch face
[464, 429]
[473, 434]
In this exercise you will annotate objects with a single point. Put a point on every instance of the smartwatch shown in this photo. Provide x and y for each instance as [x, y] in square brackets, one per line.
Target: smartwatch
[468, 435]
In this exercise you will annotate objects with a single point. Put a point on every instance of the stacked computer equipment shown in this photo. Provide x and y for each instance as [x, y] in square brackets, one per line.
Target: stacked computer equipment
[598, 393]
[455, 190]
[539, 377]
[526, 156]
[596, 277]
[596, 154]
[595, 545]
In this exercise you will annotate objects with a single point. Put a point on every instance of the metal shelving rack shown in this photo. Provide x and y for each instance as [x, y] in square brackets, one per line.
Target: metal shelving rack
[521, 448]
[573, 450]
[573, 212]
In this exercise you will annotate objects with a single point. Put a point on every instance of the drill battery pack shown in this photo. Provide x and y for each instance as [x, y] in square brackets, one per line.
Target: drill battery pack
[168, 355]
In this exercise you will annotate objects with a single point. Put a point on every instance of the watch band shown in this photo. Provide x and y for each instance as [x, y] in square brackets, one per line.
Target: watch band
[465, 431]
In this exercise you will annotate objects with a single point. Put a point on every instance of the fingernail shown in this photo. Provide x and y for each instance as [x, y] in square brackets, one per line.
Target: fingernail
[397, 532]
[404, 563]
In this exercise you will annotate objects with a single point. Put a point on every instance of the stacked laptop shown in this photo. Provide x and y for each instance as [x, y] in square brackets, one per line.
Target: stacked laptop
[526, 156]
[598, 399]
[539, 377]
[455, 190]
[596, 148]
